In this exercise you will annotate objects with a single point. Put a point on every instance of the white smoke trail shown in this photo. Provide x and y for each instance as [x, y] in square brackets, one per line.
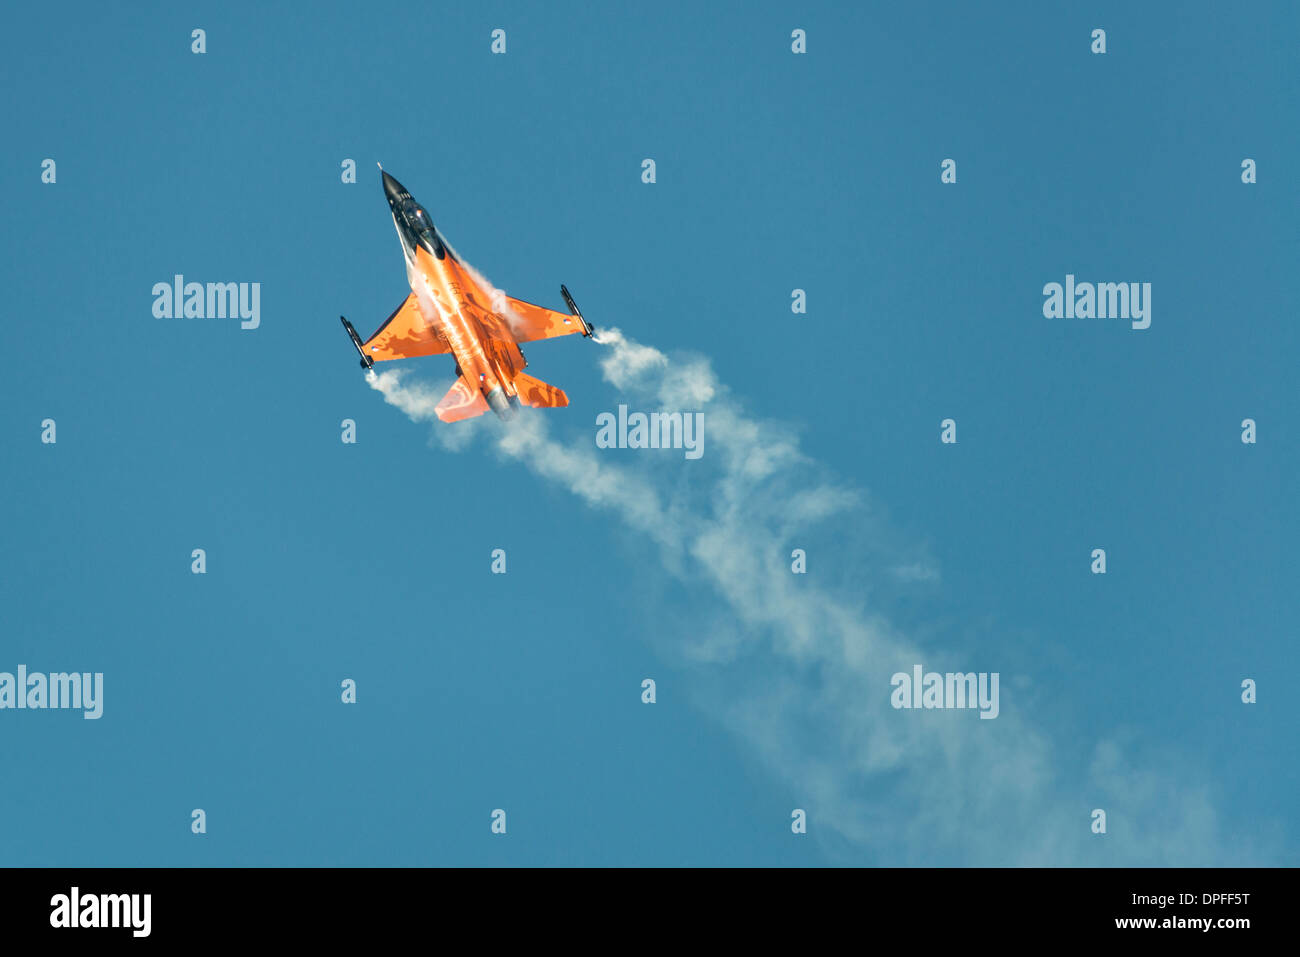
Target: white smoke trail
[801, 671]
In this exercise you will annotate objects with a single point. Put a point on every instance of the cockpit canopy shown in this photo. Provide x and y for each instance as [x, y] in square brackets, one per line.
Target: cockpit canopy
[419, 220]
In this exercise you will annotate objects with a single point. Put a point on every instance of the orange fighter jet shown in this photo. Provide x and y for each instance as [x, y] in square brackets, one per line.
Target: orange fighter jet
[450, 311]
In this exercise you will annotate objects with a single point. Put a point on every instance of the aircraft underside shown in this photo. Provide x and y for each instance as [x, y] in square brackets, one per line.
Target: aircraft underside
[449, 312]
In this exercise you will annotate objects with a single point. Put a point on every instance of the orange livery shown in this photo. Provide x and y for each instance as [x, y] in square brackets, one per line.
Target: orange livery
[450, 311]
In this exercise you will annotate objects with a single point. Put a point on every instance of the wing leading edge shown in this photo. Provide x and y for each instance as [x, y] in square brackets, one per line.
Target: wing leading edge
[406, 334]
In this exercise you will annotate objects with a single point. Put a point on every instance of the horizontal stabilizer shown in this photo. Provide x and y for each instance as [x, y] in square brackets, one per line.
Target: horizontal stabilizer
[462, 401]
[539, 394]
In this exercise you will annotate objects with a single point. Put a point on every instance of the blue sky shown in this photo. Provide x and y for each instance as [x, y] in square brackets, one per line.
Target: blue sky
[775, 171]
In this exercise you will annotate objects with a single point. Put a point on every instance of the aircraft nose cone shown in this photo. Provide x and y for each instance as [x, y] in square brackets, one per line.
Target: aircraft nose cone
[392, 188]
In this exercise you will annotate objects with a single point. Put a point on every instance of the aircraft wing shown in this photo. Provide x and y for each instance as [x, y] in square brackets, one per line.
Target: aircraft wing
[530, 323]
[405, 334]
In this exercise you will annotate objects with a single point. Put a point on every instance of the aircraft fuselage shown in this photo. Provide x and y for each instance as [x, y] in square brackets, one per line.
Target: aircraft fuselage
[452, 310]
[489, 358]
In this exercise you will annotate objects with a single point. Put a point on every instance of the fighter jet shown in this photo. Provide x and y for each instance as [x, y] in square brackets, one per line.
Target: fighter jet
[450, 311]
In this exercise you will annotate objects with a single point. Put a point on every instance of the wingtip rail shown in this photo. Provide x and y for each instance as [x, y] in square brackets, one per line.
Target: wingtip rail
[587, 330]
[366, 361]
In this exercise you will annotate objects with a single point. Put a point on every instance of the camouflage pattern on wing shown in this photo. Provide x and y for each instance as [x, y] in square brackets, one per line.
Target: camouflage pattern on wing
[530, 323]
[406, 334]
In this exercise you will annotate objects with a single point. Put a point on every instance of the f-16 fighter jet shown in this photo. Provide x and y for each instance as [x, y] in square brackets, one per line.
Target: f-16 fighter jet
[449, 311]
